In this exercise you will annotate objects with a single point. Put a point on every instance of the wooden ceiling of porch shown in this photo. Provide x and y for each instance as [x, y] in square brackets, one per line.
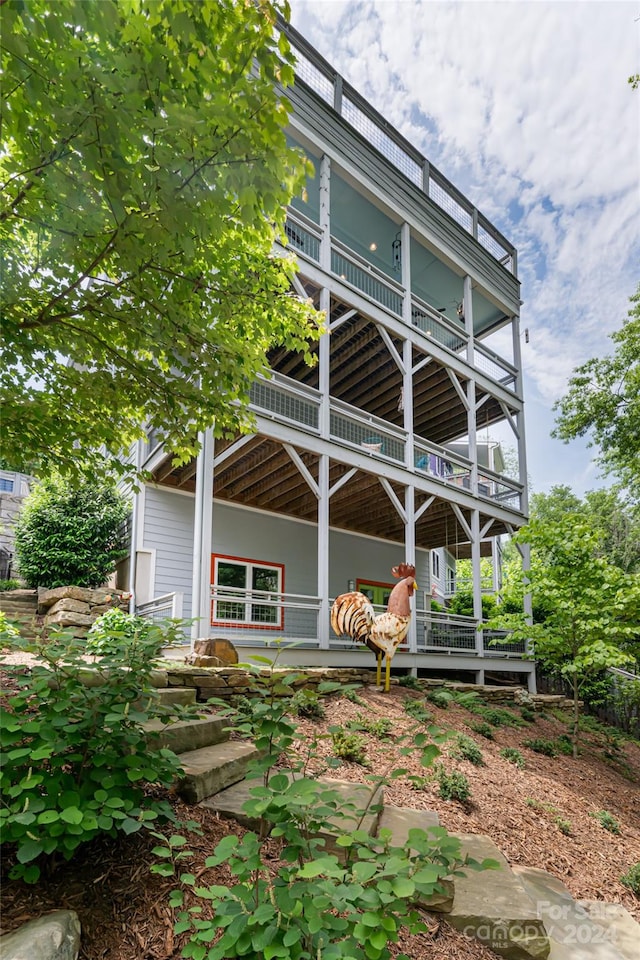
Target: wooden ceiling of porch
[365, 375]
[261, 474]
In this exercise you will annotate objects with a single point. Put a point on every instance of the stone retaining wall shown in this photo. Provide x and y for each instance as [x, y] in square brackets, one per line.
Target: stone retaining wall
[75, 608]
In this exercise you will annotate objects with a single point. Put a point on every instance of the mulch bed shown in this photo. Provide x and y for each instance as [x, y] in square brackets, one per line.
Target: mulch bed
[124, 910]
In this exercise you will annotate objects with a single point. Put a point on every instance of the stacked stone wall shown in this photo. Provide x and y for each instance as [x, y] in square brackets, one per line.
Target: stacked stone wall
[76, 608]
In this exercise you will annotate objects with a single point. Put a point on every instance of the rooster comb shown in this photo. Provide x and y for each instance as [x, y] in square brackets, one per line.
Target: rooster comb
[404, 570]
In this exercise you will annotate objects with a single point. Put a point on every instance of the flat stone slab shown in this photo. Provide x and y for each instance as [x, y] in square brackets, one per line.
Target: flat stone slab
[54, 936]
[185, 735]
[580, 929]
[210, 769]
[179, 695]
[229, 803]
[400, 820]
[494, 907]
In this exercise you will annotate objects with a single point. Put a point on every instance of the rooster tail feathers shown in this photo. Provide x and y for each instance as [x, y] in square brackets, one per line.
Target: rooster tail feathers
[353, 615]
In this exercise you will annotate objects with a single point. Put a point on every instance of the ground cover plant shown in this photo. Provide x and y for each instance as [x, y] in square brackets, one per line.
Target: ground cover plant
[76, 761]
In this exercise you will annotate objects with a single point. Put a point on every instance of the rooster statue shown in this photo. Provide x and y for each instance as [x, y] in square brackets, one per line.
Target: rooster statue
[352, 614]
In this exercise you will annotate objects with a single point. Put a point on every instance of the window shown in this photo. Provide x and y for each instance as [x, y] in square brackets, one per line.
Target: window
[435, 564]
[246, 593]
[451, 580]
[6, 486]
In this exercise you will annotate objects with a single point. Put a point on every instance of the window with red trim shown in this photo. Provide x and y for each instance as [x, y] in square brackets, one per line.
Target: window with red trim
[246, 593]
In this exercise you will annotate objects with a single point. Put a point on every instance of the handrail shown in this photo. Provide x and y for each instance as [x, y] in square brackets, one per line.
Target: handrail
[318, 75]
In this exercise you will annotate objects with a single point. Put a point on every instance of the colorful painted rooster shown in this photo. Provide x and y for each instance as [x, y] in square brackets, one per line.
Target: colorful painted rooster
[352, 614]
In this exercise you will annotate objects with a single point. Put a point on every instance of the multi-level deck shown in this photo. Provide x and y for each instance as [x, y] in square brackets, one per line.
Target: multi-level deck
[373, 452]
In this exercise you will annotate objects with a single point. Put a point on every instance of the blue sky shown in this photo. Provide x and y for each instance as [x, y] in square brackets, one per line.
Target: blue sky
[524, 105]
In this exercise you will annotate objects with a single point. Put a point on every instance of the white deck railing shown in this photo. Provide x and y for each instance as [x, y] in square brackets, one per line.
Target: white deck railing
[167, 607]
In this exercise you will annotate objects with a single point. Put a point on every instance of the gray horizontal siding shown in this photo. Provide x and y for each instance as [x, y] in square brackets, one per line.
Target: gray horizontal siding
[168, 529]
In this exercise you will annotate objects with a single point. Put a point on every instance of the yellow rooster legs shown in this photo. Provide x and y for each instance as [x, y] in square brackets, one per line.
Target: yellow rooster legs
[379, 672]
[387, 675]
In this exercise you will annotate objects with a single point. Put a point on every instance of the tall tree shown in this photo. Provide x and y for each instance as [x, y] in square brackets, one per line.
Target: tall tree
[593, 607]
[603, 401]
[144, 178]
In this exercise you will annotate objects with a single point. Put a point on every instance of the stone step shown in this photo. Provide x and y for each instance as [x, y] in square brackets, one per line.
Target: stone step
[209, 770]
[400, 820]
[176, 695]
[229, 803]
[185, 735]
[494, 907]
[580, 929]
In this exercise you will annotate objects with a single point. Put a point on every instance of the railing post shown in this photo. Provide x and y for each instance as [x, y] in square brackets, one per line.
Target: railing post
[325, 213]
[202, 521]
[323, 552]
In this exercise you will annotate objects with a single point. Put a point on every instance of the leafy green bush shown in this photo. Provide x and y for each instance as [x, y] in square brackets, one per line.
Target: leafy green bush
[483, 728]
[307, 703]
[528, 714]
[115, 629]
[440, 698]
[313, 902]
[468, 699]
[348, 745]
[416, 710]
[631, 879]
[564, 826]
[564, 745]
[70, 535]
[75, 757]
[453, 786]
[8, 630]
[408, 680]
[353, 696]
[539, 745]
[607, 820]
[11, 584]
[467, 749]
[498, 716]
[380, 728]
[513, 756]
[462, 604]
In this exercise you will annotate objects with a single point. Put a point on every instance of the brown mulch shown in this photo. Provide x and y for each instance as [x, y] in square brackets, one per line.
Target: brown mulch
[124, 911]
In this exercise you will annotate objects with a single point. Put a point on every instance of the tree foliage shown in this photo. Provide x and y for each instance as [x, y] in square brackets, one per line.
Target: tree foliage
[603, 401]
[143, 179]
[592, 607]
[70, 534]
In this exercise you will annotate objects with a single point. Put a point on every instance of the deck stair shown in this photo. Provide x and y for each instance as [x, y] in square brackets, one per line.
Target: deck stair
[520, 913]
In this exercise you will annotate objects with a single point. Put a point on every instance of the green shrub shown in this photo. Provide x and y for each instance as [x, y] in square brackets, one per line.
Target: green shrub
[380, 728]
[528, 714]
[453, 786]
[417, 782]
[10, 584]
[307, 703]
[76, 759]
[115, 629]
[564, 826]
[467, 749]
[513, 756]
[416, 710]
[564, 745]
[351, 695]
[631, 879]
[70, 535]
[498, 717]
[483, 728]
[408, 680]
[349, 745]
[468, 700]
[607, 820]
[8, 630]
[440, 698]
[539, 745]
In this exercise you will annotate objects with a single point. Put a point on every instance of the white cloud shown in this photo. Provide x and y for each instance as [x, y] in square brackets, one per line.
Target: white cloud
[528, 107]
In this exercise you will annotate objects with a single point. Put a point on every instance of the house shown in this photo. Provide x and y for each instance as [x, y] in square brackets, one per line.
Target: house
[14, 489]
[372, 456]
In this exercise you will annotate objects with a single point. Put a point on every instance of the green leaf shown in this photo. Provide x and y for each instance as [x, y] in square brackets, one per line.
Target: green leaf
[71, 815]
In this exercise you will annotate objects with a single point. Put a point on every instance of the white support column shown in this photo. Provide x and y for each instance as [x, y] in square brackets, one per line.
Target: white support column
[324, 367]
[477, 581]
[323, 552]
[202, 536]
[325, 214]
[522, 446]
[410, 556]
[471, 386]
[137, 525]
